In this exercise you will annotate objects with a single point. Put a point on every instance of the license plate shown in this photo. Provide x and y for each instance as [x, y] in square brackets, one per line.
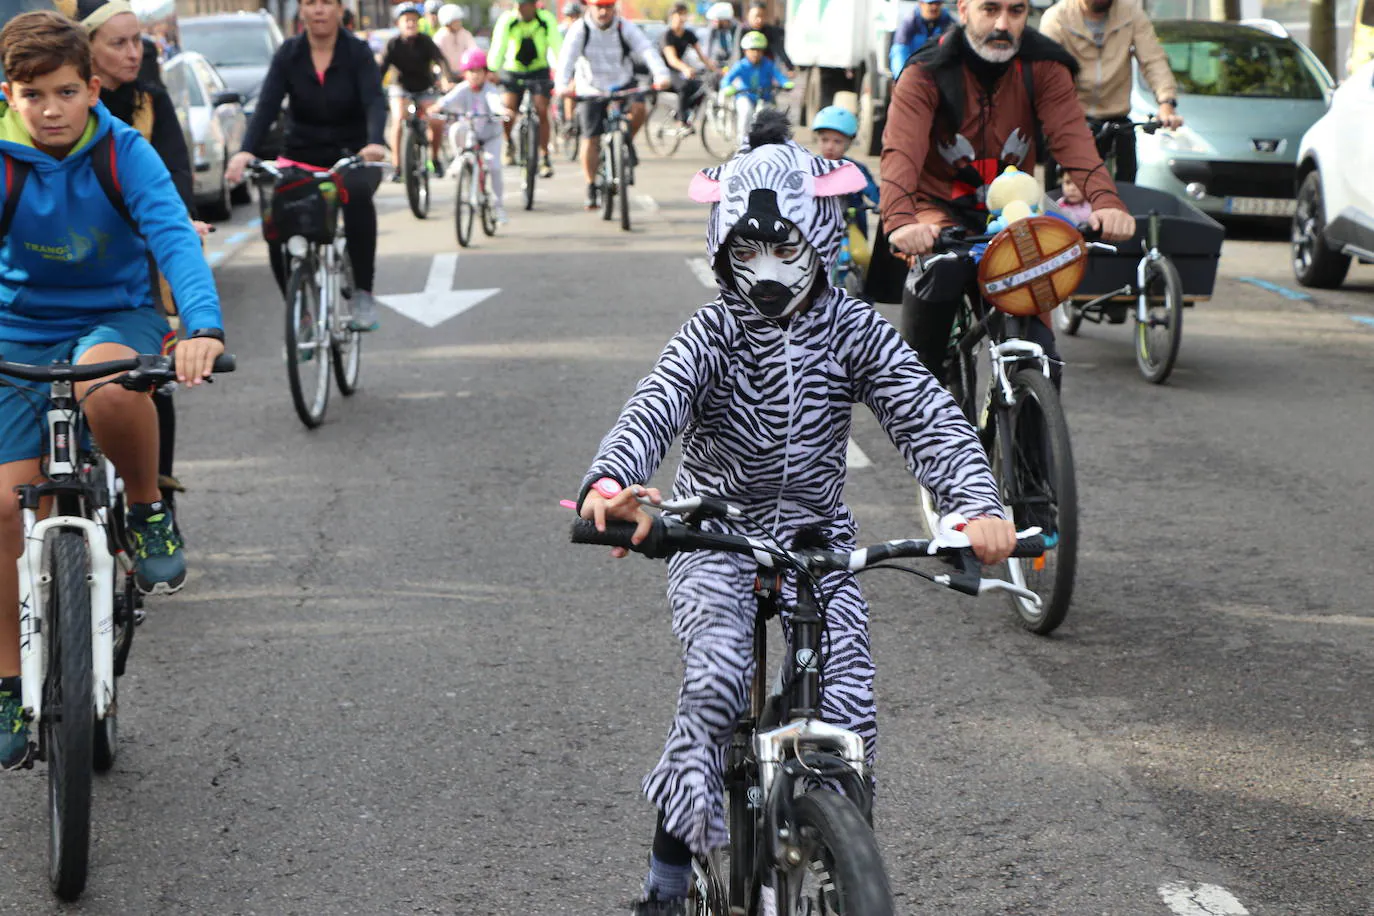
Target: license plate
[1260, 206]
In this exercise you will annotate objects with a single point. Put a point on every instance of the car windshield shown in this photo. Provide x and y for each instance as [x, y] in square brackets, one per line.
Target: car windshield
[247, 45]
[1241, 65]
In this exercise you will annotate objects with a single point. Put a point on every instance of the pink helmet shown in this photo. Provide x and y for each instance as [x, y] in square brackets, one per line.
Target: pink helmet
[473, 59]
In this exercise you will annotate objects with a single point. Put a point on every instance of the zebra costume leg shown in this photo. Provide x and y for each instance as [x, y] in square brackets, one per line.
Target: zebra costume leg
[713, 615]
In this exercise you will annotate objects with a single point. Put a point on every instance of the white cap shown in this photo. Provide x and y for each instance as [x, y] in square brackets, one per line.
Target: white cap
[450, 13]
[720, 12]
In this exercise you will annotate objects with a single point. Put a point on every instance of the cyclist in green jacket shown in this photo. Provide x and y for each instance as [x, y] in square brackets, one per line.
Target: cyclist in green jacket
[524, 42]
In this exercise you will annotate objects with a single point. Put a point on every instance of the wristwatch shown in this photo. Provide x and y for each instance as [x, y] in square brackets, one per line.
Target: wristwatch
[608, 487]
[1172, 103]
[215, 333]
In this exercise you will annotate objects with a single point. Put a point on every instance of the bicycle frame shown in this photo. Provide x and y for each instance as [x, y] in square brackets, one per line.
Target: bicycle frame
[65, 460]
[1140, 291]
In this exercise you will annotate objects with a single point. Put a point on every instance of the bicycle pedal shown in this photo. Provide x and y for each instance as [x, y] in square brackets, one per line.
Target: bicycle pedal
[140, 615]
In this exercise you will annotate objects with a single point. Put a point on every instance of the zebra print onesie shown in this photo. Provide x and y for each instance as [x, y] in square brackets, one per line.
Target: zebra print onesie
[764, 411]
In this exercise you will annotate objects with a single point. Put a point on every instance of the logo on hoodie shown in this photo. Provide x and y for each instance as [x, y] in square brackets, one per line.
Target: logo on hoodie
[76, 249]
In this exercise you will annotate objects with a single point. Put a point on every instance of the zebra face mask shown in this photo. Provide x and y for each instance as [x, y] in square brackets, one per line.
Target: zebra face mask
[775, 277]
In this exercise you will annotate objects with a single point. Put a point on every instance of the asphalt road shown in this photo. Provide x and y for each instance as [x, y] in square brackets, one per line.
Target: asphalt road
[392, 686]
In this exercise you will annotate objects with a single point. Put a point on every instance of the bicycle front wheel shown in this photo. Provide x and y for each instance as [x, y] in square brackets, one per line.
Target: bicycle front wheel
[307, 336]
[623, 173]
[69, 715]
[463, 209]
[1157, 338]
[608, 179]
[529, 145]
[345, 344]
[414, 161]
[1033, 461]
[841, 870]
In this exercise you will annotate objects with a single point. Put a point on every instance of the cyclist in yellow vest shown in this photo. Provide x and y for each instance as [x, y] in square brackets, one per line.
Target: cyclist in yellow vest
[429, 22]
[524, 42]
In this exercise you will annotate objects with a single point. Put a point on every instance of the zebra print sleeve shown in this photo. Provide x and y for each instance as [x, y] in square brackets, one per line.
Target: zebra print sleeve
[663, 403]
[919, 416]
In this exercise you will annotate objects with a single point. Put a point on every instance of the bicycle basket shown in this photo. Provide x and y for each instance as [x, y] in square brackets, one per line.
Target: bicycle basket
[298, 205]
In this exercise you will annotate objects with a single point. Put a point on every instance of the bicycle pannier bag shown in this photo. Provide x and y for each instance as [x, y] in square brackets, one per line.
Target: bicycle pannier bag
[297, 205]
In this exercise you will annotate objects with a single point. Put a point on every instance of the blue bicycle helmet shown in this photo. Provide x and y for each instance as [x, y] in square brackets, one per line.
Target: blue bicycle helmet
[833, 117]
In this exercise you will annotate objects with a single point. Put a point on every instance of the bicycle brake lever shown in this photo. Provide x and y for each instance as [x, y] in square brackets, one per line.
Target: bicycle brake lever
[1002, 585]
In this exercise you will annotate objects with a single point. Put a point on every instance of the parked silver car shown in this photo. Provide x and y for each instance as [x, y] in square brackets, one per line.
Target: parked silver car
[212, 117]
[1247, 96]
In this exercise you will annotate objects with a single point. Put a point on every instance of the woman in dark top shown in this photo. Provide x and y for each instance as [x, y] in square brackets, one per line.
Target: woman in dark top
[337, 109]
[117, 55]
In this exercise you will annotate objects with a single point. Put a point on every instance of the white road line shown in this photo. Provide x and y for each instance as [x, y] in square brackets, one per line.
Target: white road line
[1200, 900]
[703, 272]
[855, 457]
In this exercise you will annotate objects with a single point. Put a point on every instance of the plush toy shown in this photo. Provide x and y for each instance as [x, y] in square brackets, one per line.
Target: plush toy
[1012, 196]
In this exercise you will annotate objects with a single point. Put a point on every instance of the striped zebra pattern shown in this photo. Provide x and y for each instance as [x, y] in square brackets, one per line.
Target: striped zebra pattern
[764, 411]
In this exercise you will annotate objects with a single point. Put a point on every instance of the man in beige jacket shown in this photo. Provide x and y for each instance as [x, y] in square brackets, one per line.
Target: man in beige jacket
[1102, 35]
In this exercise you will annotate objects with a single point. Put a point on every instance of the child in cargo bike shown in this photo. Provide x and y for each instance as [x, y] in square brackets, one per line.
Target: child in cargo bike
[76, 284]
[760, 384]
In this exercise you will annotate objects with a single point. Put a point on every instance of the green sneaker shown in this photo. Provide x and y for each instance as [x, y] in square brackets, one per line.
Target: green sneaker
[14, 729]
[159, 554]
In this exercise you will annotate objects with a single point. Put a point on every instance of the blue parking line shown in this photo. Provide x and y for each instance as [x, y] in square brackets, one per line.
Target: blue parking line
[1364, 319]
[236, 238]
[1276, 288]
[214, 258]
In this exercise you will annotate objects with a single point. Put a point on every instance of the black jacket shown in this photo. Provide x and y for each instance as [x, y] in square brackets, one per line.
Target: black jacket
[167, 138]
[327, 121]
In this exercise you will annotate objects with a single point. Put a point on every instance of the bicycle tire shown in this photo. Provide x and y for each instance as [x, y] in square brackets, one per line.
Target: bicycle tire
[303, 309]
[105, 733]
[417, 173]
[608, 179]
[462, 208]
[741, 884]
[705, 895]
[1038, 491]
[719, 136]
[572, 140]
[1156, 353]
[67, 737]
[1068, 318]
[487, 207]
[838, 837]
[529, 143]
[345, 343]
[625, 178]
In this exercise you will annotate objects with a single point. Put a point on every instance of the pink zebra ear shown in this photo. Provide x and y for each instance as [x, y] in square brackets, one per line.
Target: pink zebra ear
[847, 179]
[704, 189]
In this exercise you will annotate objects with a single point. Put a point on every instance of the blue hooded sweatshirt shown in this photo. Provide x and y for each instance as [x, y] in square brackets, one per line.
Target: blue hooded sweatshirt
[70, 257]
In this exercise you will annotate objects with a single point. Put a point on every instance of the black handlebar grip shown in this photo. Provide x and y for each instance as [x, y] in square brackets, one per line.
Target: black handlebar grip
[1089, 233]
[225, 362]
[618, 534]
[1030, 547]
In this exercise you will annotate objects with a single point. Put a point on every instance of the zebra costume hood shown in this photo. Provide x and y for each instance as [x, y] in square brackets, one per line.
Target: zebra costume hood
[771, 184]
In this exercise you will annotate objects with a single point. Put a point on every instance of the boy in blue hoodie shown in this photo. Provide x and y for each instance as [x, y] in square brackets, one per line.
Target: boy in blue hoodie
[752, 80]
[75, 285]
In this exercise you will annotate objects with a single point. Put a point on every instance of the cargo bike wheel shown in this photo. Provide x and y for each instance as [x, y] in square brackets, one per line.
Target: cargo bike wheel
[1159, 334]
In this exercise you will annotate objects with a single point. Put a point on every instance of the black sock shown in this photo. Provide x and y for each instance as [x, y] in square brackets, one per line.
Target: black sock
[668, 849]
[144, 511]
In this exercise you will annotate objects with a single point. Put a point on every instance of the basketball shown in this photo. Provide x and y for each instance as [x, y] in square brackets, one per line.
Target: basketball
[1032, 265]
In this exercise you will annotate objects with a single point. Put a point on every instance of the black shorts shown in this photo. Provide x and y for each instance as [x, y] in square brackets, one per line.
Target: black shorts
[591, 113]
[539, 81]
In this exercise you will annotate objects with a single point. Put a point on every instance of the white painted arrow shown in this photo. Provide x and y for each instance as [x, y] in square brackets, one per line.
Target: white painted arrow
[440, 301]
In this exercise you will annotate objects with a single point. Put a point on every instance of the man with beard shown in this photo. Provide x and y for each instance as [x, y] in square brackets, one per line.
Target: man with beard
[960, 111]
[1102, 35]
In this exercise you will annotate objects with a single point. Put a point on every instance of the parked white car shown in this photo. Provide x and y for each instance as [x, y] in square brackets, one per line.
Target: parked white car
[214, 124]
[1334, 220]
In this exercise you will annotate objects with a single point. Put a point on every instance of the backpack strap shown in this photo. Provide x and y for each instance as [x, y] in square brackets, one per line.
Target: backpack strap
[1037, 129]
[16, 173]
[106, 165]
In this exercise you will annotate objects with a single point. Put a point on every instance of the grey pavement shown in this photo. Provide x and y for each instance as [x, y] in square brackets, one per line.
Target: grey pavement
[392, 686]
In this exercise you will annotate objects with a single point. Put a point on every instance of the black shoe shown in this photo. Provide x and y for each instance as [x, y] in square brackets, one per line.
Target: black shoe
[652, 906]
[593, 198]
[397, 177]
[631, 156]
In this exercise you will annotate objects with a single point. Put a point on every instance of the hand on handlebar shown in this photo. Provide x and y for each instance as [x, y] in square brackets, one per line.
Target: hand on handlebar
[914, 239]
[625, 507]
[1115, 225]
[233, 171]
[196, 359]
[992, 539]
[375, 152]
[1168, 117]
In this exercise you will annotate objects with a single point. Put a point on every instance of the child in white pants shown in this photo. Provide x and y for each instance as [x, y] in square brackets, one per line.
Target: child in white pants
[472, 97]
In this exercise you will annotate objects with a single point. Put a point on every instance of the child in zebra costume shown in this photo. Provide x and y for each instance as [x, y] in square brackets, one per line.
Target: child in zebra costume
[761, 383]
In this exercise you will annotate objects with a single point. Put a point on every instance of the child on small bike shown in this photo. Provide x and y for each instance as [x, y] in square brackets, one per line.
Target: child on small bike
[76, 284]
[760, 384]
[752, 80]
[475, 95]
[835, 129]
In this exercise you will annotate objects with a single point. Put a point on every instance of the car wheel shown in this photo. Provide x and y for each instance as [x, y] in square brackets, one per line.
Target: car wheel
[1314, 262]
